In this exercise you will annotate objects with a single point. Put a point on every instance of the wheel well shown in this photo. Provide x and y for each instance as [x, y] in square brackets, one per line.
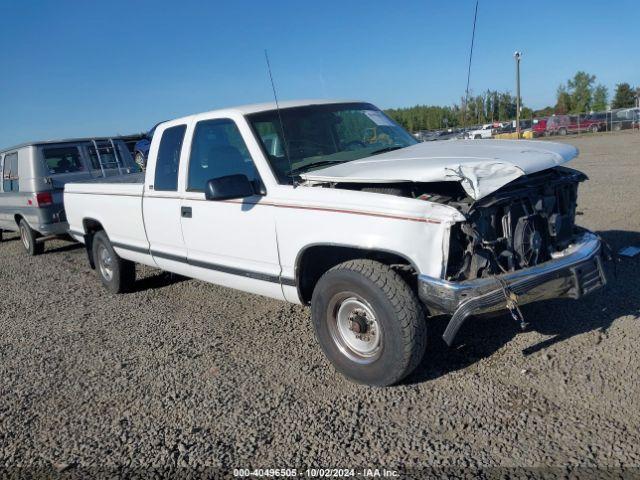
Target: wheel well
[91, 227]
[314, 261]
[17, 218]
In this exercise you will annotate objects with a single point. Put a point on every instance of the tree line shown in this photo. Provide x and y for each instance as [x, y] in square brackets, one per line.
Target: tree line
[492, 106]
[579, 94]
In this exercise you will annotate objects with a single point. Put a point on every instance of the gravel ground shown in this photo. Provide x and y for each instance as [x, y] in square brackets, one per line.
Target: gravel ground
[185, 375]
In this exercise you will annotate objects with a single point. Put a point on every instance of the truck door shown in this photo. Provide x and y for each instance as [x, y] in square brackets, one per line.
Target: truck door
[162, 202]
[230, 242]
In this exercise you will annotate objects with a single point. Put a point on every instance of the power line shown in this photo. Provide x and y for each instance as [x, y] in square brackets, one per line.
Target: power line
[466, 95]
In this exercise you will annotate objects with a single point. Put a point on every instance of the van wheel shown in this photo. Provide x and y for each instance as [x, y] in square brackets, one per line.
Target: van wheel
[369, 322]
[117, 275]
[29, 237]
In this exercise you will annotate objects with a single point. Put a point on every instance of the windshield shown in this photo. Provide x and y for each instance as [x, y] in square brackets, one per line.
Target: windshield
[322, 135]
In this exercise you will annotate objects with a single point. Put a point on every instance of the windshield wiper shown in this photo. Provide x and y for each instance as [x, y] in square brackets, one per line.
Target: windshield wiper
[306, 168]
[386, 149]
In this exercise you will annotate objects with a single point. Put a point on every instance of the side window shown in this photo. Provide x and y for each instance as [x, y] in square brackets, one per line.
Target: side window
[63, 160]
[10, 173]
[217, 150]
[168, 161]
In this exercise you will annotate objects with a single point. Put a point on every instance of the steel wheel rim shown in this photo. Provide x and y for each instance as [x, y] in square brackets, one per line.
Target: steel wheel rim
[25, 237]
[105, 262]
[345, 310]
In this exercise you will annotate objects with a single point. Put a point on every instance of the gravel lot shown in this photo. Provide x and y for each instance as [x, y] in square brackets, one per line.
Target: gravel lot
[185, 374]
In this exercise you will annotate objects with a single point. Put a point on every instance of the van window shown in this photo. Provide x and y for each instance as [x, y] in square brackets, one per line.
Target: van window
[111, 159]
[168, 160]
[218, 150]
[63, 160]
[10, 173]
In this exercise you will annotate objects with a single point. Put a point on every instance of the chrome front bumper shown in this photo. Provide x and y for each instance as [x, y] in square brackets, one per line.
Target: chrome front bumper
[572, 273]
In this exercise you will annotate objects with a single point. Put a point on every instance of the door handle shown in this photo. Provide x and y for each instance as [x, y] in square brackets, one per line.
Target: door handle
[186, 212]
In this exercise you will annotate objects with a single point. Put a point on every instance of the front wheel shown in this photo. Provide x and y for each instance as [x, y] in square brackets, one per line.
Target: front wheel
[369, 322]
[29, 239]
[116, 274]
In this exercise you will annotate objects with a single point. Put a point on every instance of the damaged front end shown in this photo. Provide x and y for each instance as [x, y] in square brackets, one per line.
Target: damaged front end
[521, 225]
[518, 245]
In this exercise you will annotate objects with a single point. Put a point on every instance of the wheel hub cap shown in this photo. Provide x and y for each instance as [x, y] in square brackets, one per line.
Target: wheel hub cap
[24, 237]
[356, 330]
[105, 262]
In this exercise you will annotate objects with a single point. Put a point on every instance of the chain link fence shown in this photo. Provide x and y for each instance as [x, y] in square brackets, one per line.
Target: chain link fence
[554, 125]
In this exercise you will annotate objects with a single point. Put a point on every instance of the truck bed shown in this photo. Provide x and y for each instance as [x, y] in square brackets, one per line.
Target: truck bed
[114, 203]
[130, 178]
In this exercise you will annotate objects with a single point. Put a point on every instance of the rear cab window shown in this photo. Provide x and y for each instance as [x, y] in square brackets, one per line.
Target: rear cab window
[168, 159]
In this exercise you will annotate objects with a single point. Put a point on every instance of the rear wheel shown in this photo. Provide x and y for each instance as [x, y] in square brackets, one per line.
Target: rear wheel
[116, 274]
[369, 322]
[29, 239]
[594, 128]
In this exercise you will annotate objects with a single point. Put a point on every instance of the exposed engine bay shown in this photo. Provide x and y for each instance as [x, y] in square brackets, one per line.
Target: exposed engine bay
[520, 225]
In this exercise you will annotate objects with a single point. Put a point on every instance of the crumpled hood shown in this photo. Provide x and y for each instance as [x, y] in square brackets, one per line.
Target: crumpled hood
[481, 166]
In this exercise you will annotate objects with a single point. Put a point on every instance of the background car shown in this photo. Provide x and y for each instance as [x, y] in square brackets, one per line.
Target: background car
[539, 127]
[141, 148]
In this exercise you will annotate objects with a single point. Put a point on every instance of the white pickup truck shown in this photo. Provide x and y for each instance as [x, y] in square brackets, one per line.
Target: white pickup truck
[333, 205]
[486, 131]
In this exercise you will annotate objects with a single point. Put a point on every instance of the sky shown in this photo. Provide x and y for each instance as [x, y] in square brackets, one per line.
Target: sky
[80, 68]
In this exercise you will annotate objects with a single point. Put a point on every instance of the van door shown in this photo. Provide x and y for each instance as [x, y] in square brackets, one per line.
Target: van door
[3, 213]
[231, 242]
[162, 202]
[10, 201]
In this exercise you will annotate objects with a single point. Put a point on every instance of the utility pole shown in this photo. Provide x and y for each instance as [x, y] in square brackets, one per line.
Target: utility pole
[517, 56]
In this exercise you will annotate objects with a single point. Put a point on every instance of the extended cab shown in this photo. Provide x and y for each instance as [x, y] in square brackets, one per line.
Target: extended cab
[333, 205]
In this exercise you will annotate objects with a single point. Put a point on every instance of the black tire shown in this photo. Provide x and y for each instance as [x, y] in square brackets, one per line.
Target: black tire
[29, 238]
[394, 324]
[116, 274]
[477, 137]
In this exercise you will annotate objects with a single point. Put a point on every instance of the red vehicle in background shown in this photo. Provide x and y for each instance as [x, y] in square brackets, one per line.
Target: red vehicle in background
[564, 124]
[539, 127]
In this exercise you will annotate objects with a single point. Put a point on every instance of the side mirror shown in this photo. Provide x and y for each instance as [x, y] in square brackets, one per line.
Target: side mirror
[228, 188]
